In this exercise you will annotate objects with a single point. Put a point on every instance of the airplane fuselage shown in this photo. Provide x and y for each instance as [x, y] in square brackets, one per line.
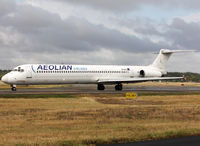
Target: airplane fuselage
[34, 74]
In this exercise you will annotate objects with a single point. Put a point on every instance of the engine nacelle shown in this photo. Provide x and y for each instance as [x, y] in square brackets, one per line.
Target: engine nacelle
[150, 73]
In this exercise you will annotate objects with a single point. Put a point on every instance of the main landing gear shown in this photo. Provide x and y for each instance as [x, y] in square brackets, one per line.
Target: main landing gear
[100, 87]
[118, 87]
[13, 87]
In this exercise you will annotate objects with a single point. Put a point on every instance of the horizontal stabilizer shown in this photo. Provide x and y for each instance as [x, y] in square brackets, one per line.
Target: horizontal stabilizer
[165, 51]
[161, 61]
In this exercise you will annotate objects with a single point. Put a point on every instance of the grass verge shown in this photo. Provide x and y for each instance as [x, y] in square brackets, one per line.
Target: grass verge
[167, 93]
[28, 96]
[100, 119]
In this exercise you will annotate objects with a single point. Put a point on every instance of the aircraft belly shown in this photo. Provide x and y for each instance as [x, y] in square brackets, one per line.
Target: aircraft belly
[61, 79]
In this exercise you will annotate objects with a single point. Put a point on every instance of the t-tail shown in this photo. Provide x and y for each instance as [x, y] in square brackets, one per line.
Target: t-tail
[161, 61]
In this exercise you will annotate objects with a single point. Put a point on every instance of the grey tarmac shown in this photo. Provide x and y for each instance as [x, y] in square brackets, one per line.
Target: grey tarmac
[183, 141]
[91, 89]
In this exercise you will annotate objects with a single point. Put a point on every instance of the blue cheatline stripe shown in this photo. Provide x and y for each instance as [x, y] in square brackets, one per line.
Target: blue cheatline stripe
[33, 69]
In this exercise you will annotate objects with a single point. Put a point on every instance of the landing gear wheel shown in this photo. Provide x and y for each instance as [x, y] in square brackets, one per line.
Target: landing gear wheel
[118, 87]
[14, 89]
[100, 87]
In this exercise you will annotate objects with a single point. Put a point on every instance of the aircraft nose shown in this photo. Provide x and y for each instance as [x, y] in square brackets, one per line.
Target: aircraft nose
[5, 79]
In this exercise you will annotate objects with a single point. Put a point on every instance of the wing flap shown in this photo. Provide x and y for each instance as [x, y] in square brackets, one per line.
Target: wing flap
[134, 80]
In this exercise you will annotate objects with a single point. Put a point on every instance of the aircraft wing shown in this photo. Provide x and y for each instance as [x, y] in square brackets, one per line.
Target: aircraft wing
[135, 80]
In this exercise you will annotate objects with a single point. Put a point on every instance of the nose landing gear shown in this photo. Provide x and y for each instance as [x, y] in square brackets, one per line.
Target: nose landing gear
[13, 87]
[118, 87]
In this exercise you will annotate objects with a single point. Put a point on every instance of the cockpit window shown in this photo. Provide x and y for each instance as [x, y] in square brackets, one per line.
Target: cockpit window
[19, 69]
[14, 70]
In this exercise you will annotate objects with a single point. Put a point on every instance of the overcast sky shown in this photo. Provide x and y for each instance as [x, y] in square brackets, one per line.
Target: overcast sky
[120, 32]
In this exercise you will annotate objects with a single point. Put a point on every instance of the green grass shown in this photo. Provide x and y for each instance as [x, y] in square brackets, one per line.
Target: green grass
[167, 93]
[30, 96]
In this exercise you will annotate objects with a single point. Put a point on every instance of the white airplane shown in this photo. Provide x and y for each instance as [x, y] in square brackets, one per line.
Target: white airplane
[37, 74]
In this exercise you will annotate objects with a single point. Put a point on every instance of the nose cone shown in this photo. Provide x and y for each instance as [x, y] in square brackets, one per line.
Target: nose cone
[5, 79]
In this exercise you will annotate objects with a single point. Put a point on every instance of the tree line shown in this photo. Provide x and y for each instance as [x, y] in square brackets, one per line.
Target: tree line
[3, 72]
[189, 76]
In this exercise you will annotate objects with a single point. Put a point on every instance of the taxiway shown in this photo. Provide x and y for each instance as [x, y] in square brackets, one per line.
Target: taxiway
[91, 89]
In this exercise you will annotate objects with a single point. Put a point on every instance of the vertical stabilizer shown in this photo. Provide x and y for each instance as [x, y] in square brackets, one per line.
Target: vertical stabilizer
[161, 61]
